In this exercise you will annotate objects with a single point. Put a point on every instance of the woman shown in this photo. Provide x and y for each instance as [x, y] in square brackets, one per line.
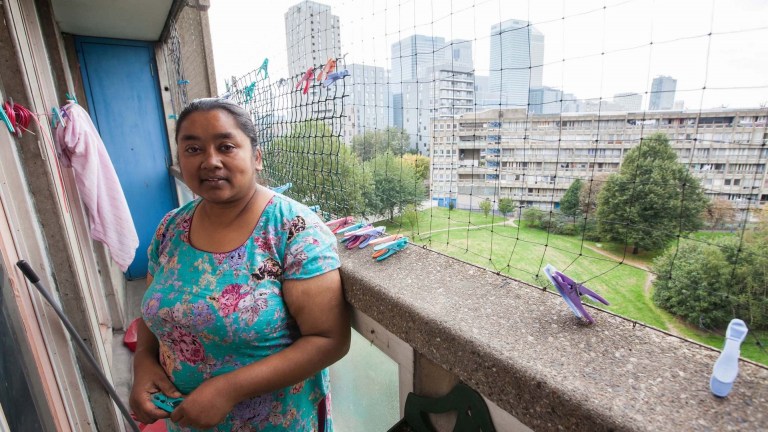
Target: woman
[244, 308]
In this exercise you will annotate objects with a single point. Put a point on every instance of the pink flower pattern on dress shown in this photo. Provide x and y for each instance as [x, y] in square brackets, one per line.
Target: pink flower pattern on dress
[230, 298]
[186, 346]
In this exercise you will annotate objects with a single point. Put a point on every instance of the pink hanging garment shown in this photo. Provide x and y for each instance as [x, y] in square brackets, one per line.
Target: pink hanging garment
[83, 150]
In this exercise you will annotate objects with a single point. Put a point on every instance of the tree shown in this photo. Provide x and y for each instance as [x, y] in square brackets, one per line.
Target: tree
[420, 165]
[486, 206]
[719, 213]
[506, 206]
[394, 185]
[322, 170]
[693, 283]
[533, 217]
[589, 192]
[411, 216]
[651, 199]
[377, 142]
[569, 203]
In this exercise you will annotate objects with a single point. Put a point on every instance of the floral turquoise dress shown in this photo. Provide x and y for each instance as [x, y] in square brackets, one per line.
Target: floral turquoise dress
[216, 312]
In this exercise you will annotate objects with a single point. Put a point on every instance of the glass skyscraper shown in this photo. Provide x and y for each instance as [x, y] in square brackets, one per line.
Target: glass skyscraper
[517, 58]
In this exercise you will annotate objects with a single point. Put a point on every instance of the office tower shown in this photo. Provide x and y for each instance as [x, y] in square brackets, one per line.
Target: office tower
[545, 100]
[412, 55]
[628, 101]
[662, 93]
[312, 35]
[517, 58]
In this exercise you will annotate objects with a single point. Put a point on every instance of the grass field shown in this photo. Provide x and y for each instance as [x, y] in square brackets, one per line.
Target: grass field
[522, 252]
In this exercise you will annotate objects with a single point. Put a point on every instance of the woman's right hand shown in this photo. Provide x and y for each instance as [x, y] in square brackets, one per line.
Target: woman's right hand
[148, 379]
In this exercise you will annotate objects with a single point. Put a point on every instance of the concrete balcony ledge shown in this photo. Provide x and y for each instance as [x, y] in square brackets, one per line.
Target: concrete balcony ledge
[522, 348]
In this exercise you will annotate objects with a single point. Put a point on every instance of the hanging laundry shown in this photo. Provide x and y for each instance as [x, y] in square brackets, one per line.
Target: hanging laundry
[82, 149]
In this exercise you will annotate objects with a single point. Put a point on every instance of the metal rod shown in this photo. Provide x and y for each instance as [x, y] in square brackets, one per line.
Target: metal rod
[30, 274]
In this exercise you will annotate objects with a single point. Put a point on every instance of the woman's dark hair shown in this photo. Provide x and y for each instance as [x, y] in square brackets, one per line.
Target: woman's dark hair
[240, 115]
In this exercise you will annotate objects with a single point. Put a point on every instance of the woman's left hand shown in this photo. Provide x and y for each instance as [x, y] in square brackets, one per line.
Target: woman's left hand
[205, 407]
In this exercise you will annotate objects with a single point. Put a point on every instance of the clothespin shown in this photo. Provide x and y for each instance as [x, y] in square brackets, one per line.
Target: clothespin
[386, 239]
[7, 121]
[726, 367]
[329, 67]
[349, 235]
[283, 188]
[306, 79]
[70, 97]
[332, 78]
[386, 250]
[263, 68]
[182, 82]
[353, 227]
[337, 224]
[361, 238]
[56, 118]
[248, 91]
[314, 208]
[572, 292]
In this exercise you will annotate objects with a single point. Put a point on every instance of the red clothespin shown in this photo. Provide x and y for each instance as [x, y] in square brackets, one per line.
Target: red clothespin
[329, 67]
[306, 79]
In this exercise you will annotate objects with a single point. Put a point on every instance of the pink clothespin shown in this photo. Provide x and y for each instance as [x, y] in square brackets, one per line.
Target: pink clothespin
[306, 79]
[387, 239]
[329, 67]
[337, 224]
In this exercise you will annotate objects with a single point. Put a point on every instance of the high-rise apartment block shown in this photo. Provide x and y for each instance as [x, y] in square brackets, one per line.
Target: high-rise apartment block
[312, 35]
[534, 158]
[369, 106]
[662, 93]
[517, 59]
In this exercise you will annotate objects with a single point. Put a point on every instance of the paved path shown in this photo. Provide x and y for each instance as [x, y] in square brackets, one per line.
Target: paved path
[508, 222]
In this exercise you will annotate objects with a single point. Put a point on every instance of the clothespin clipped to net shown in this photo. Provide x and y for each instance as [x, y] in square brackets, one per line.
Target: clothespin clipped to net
[283, 188]
[571, 292]
[263, 68]
[329, 67]
[306, 79]
[332, 78]
[386, 250]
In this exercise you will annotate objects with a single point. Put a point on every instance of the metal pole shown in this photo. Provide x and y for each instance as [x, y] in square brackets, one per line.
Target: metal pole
[30, 274]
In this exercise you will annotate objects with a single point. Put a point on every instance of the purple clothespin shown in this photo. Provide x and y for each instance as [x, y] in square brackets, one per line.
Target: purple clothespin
[361, 238]
[335, 76]
[572, 292]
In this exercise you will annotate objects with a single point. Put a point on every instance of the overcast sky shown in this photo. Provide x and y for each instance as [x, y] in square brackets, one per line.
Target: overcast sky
[640, 39]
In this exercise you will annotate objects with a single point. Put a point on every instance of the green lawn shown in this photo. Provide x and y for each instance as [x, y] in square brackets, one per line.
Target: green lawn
[522, 252]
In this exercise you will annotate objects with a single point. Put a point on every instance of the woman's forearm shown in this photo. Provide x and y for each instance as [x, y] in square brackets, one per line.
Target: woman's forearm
[304, 358]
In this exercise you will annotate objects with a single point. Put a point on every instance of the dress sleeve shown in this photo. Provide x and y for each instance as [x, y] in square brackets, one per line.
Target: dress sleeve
[158, 244]
[311, 248]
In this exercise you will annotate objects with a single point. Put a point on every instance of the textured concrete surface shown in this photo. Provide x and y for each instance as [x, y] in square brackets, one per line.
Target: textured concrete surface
[522, 348]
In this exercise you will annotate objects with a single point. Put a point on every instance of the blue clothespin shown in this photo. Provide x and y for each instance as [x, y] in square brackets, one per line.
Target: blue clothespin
[354, 227]
[182, 82]
[173, 117]
[6, 120]
[352, 234]
[726, 367]
[335, 76]
[386, 250]
[314, 208]
[263, 68]
[283, 188]
[165, 403]
[248, 91]
[70, 97]
[56, 117]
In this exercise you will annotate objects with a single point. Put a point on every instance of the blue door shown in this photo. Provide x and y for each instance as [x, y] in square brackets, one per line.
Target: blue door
[120, 79]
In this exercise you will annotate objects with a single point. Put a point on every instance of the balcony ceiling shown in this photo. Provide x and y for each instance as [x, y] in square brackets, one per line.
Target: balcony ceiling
[135, 19]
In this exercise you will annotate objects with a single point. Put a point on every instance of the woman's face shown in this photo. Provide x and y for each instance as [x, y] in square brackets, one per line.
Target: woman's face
[216, 158]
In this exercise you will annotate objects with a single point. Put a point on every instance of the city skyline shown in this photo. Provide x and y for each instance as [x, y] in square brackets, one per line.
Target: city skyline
[606, 51]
